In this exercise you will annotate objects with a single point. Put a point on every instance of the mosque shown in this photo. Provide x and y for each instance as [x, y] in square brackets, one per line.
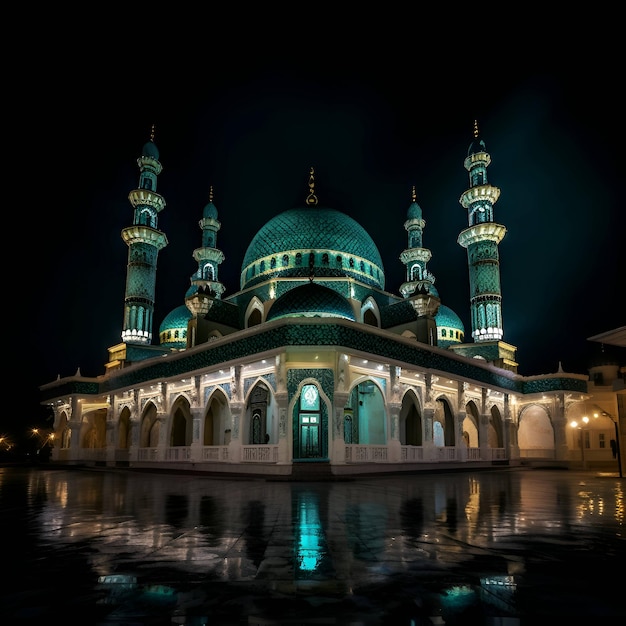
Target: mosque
[312, 369]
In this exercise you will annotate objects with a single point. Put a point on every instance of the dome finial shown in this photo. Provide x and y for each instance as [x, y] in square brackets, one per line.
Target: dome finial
[152, 133]
[311, 198]
[475, 129]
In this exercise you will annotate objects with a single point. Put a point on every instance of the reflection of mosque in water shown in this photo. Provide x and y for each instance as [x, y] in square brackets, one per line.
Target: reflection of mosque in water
[295, 536]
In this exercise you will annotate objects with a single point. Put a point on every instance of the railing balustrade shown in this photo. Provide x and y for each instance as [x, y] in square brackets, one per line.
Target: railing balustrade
[266, 453]
[259, 454]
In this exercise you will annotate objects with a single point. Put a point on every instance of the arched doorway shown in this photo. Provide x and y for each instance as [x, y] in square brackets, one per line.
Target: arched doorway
[411, 433]
[182, 421]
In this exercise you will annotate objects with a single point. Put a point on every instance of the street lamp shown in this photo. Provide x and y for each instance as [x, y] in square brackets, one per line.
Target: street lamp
[617, 446]
[44, 438]
[574, 424]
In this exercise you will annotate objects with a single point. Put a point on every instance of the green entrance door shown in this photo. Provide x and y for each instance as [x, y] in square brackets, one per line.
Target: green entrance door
[309, 436]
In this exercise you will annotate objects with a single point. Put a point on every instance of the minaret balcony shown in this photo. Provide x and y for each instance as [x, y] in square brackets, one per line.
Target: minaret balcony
[482, 192]
[139, 233]
[414, 223]
[416, 254]
[209, 223]
[208, 254]
[410, 287]
[148, 163]
[141, 197]
[487, 231]
[473, 159]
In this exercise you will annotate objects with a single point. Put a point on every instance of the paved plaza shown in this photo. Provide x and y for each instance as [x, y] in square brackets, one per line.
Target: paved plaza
[122, 547]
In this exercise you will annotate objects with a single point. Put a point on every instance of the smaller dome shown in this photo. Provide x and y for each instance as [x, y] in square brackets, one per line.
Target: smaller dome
[150, 150]
[173, 329]
[311, 300]
[450, 328]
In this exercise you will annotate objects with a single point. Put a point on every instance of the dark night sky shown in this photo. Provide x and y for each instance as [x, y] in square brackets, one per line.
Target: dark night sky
[372, 126]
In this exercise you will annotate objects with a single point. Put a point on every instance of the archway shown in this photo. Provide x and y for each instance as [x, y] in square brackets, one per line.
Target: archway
[443, 424]
[93, 429]
[182, 422]
[215, 420]
[411, 432]
[150, 427]
[123, 429]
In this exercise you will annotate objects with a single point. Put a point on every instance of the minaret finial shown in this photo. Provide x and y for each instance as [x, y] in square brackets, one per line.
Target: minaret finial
[475, 129]
[211, 193]
[311, 198]
[152, 133]
[413, 194]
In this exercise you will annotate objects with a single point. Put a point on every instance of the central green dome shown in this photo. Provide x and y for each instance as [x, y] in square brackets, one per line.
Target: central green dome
[312, 241]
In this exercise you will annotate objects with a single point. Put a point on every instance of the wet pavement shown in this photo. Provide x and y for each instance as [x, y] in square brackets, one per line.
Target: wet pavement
[115, 547]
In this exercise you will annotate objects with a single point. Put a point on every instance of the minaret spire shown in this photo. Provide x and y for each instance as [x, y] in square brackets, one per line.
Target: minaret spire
[208, 256]
[205, 286]
[311, 199]
[481, 240]
[419, 287]
[144, 242]
[415, 257]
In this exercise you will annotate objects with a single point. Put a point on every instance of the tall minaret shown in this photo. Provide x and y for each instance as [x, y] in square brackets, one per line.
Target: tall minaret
[144, 241]
[481, 240]
[419, 287]
[415, 257]
[205, 287]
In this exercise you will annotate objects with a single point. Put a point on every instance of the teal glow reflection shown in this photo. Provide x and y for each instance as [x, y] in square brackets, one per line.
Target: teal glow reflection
[309, 547]
[458, 596]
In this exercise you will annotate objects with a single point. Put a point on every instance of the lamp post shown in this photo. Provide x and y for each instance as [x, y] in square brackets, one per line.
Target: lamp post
[617, 446]
[585, 420]
[45, 439]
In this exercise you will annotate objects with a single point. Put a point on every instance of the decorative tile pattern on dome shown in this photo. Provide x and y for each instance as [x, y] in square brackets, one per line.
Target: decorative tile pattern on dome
[176, 318]
[325, 234]
[311, 299]
[445, 316]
